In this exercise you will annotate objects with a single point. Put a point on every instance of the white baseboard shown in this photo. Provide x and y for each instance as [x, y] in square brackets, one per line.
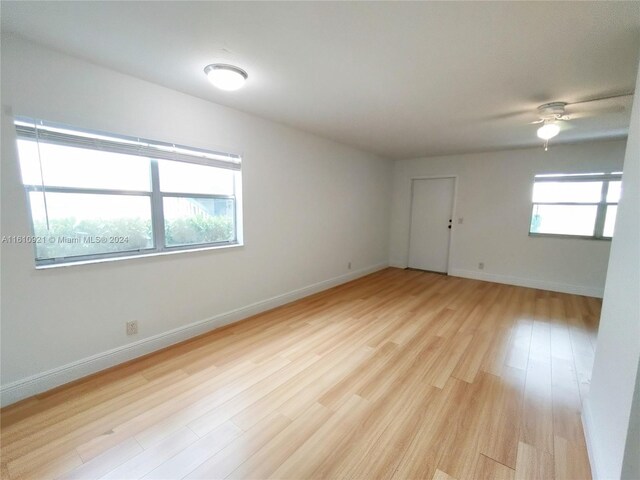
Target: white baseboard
[531, 283]
[44, 381]
[587, 426]
[398, 264]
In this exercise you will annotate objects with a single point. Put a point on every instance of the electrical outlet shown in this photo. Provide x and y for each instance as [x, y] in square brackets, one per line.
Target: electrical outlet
[132, 328]
[349, 265]
[481, 266]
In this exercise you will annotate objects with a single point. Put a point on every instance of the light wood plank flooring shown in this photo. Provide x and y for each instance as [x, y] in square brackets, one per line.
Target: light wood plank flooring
[400, 374]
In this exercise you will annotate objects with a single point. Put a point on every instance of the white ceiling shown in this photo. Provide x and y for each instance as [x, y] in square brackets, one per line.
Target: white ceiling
[401, 79]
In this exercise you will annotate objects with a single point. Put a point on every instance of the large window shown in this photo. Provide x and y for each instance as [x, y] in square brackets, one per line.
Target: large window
[574, 205]
[94, 195]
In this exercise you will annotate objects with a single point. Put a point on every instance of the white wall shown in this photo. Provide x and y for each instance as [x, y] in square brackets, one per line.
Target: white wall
[631, 460]
[608, 408]
[310, 207]
[494, 200]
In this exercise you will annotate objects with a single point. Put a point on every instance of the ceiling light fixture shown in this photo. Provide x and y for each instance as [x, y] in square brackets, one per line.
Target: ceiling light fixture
[225, 77]
[547, 131]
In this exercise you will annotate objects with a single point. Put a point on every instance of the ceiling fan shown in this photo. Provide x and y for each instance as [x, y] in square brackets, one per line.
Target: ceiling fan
[552, 115]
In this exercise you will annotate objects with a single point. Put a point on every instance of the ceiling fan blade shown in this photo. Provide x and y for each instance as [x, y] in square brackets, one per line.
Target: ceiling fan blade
[584, 114]
[602, 106]
[626, 98]
[595, 112]
[506, 115]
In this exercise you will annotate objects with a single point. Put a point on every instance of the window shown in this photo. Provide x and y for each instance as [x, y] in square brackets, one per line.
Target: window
[94, 195]
[574, 205]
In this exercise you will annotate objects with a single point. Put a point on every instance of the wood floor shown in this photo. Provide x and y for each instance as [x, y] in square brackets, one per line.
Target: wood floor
[400, 374]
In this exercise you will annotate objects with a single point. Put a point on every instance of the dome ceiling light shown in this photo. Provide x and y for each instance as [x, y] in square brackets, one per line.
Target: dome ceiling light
[226, 77]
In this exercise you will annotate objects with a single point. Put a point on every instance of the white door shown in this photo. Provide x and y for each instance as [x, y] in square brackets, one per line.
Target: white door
[431, 221]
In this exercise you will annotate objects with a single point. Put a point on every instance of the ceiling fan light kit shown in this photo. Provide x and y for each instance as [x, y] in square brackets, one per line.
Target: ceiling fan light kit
[550, 114]
[547, 131]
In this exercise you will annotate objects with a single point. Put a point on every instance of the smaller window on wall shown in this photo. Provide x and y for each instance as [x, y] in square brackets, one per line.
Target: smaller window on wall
[93, 196]
[575, 205]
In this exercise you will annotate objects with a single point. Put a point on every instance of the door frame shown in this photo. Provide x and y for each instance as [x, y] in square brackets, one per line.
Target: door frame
[453, 213]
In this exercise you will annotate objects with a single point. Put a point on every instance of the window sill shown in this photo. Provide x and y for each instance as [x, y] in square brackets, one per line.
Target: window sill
[135, 257]
[575, 237]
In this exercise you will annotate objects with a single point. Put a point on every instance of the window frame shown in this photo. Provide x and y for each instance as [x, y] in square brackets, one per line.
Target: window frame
[601, 205]
[155, 195]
